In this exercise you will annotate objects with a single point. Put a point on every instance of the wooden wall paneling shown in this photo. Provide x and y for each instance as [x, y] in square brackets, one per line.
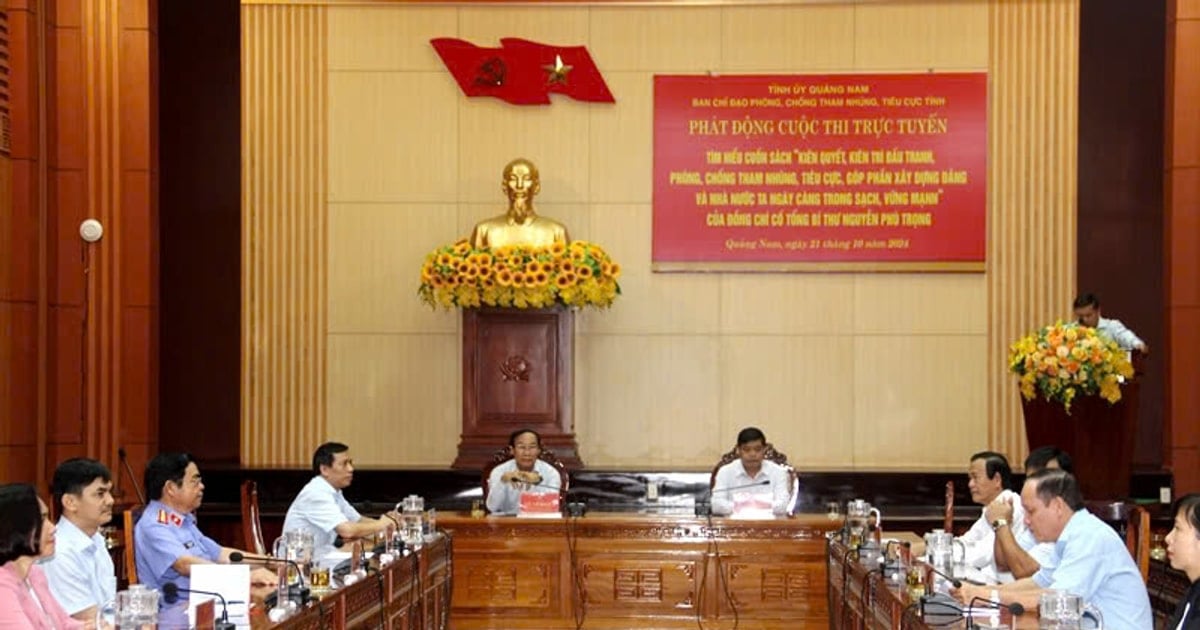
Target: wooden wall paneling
[1182, 240]
[198, 233]
[1033, 111]
[284, 227]
[1120, 235]
[61, 301]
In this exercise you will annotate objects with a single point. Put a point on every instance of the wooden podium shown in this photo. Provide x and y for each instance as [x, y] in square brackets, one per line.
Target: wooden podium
[518, 372]
[1098, 437]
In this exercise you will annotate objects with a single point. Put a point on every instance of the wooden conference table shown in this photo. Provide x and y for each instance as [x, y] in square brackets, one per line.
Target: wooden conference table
[409, 594]
[624, 570]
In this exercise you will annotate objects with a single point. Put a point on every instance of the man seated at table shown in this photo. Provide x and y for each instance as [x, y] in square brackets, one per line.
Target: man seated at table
[81, 573]
[734, 490]
[167, 541]
[321, 509]
[1092, 559]
[1017, 551]
[526, 472]
[989, 479]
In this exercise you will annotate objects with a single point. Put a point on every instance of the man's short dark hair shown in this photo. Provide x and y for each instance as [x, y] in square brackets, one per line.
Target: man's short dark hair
[1085, 300]
[1043, 455]
[750, 434]
[512, 437]
[20, 522]
[75, 474]
[1189, 507]
[996, 464]
[1052, 482]
[323, 456]
[163, 468]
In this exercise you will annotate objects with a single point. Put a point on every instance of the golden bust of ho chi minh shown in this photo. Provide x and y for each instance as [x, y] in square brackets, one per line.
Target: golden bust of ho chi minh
[520, 225]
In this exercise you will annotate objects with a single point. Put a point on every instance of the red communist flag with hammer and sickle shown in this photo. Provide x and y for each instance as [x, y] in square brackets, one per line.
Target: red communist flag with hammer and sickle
[523, 72]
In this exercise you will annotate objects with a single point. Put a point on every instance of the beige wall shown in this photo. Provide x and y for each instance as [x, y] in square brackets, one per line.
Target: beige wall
[838, 369]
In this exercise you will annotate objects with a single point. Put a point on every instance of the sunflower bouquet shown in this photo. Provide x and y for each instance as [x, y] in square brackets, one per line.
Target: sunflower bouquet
[1063, 361]
[577, 274]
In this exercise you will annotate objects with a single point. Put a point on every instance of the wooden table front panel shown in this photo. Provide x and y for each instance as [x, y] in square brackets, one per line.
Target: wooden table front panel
[644, 571]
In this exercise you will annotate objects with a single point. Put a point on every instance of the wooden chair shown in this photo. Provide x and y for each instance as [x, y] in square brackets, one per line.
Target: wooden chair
[948, 516]
[771, 454]
[131, 517]
[251, 523]
[1137, 538]
[548, 456]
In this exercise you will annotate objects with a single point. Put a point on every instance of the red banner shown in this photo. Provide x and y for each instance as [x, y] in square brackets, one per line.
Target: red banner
[862, 171]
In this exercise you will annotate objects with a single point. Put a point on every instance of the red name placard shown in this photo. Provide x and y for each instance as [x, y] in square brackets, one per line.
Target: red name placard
[821, 172]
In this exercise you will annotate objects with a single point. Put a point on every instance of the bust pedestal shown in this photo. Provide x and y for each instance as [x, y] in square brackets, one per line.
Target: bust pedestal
[518, 372]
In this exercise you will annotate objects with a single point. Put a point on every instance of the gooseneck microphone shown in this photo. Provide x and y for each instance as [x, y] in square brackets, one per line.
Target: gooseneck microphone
[171, 595]
[129, 473]
[301, 588]
[704, 506]
[955, 582]
[1015, 608]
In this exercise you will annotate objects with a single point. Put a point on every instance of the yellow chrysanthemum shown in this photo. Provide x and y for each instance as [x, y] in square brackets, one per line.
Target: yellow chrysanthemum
[575, 274]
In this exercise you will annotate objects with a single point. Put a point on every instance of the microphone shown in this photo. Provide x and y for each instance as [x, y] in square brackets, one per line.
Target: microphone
[1015, 608]
[300, 589]
[704, 506]
[171, 595]
[539, 485]
[129, 472]
[955, 582]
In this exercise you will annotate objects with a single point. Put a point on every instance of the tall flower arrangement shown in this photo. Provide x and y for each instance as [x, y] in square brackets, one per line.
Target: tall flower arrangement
[577, 274]
[1061, 362]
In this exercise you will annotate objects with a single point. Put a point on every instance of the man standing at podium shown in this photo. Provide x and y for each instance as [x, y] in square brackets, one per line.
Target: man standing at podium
[1087, 313]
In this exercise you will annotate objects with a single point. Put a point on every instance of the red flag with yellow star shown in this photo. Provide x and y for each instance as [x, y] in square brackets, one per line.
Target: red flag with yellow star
[522, 72]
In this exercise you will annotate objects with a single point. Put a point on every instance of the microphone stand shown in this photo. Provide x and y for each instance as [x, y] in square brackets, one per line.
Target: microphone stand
[1015, 608]
[129, 472]
[704, 507]
[302, 590]
[171, 595]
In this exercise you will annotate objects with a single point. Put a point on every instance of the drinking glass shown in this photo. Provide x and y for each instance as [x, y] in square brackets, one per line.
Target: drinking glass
[1060, 610]
[319, 579]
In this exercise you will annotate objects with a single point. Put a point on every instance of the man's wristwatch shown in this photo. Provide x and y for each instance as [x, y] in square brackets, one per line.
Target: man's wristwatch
[998, 523]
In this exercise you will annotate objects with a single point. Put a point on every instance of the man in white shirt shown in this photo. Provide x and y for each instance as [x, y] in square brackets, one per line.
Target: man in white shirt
[321, 509]
[1093, 562]
[990, 481]
[81, 573]
[734, 487]
[525, 473]
[1087, 313]
[1016, 549]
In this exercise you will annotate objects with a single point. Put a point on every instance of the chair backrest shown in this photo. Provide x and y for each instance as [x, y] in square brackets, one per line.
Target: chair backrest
[251, 523]
[1137, 538]
[548, 456]
[131, 517]
[948, 515]
[771, 454]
